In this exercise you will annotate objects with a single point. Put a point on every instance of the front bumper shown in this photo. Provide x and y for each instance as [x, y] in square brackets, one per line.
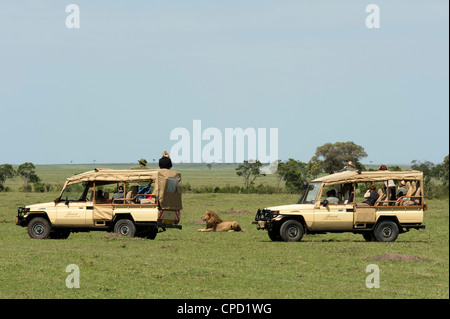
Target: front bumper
[20, 220]
[264, 218]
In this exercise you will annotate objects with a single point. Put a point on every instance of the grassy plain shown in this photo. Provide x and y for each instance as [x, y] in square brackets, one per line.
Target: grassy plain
[188, 264]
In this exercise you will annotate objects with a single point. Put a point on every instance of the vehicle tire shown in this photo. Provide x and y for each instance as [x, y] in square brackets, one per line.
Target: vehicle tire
[292, 230]
[274, 233]
[39, 228]
[386, 231]
[125, 227]
[152, 232]
[369, 236]
[148, 232]
[59, 234]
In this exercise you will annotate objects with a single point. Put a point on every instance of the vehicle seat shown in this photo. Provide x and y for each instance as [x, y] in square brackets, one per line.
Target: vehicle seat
[381, 198]
[131, 195]
[418, 196]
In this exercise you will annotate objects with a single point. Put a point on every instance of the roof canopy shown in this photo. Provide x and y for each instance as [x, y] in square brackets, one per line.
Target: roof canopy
[168, 198]
[114, 175]
[373, 176]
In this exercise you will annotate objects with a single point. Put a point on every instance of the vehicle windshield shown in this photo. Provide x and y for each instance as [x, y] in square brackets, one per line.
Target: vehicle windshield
[74, 192]
[312, 192]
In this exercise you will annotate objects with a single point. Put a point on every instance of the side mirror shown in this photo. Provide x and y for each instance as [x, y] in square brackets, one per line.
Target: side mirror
[67, 201]
[325, 203]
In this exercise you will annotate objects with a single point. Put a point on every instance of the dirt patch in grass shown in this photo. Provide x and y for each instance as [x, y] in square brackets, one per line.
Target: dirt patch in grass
[236, 211]
[110, 236]
[396, 257]
[199, 222]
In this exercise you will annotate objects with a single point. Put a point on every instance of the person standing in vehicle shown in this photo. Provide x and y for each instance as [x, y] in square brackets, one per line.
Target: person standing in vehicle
[165, 161]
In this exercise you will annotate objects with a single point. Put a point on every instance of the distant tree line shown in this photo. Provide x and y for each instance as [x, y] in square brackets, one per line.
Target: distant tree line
[331, 158]
[26, 171]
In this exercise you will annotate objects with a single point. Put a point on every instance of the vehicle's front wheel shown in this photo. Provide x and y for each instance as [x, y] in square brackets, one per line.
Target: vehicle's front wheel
[292, 230]
[386, 231]
[274, 233]
[125, 227]
[59, 234]
[39, 228]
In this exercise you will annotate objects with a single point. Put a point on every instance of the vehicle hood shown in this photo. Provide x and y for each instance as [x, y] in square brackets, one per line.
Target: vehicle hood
[290, 208]
[41, 206]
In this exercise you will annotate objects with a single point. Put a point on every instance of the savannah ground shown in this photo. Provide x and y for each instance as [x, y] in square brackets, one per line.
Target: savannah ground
[189, 264]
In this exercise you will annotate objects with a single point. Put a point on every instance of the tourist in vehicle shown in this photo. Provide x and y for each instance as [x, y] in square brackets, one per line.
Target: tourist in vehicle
[119, 194]
[331, 197]
[389, 186]
[165, 161]
[402, 189]
[372, 197]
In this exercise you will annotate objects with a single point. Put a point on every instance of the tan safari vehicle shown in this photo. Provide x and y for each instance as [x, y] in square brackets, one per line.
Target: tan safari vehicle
[315, 213]
[144, 202]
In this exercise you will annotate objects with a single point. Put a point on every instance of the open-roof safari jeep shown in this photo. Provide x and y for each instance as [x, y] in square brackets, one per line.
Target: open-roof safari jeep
[144, 202]
[389, 216]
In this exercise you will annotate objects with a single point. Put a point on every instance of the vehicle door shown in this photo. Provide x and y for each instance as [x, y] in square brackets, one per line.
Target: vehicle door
[332, 215]
[71, 208]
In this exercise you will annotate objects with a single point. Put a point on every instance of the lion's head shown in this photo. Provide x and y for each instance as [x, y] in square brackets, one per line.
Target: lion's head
[211, 219]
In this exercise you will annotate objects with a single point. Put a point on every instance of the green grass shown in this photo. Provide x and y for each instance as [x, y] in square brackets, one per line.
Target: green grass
[190, 264]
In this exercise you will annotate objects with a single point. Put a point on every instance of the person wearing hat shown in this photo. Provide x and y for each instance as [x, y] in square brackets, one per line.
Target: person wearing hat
[402, 189]
[165, 161]
[142, 162]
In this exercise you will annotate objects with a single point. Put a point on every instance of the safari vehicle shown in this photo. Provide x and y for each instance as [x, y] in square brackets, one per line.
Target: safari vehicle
[313, 214]
[145, 202]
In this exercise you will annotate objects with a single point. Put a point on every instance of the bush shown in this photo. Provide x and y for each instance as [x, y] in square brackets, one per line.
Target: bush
[25, 188]
[230, 189]
[39, 188]
[437, 191]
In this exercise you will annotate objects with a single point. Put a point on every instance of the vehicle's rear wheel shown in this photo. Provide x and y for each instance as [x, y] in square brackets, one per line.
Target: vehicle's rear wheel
[39, 228]
[152, 232]
[386, 231]
[148, 232]
[292, 230]
[369, 236]
[125, 227]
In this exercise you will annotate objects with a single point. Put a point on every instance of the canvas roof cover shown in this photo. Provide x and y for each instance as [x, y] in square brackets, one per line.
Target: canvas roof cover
[371, 176]
[114, 175]
[167, 182]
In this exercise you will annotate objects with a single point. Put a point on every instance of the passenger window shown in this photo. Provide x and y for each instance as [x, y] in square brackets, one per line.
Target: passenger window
[172, 184]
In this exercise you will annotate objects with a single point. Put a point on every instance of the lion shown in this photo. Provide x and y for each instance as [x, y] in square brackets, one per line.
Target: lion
[215, 223]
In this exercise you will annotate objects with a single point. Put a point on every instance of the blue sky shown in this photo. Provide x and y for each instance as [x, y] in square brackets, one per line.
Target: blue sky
[114, 89]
